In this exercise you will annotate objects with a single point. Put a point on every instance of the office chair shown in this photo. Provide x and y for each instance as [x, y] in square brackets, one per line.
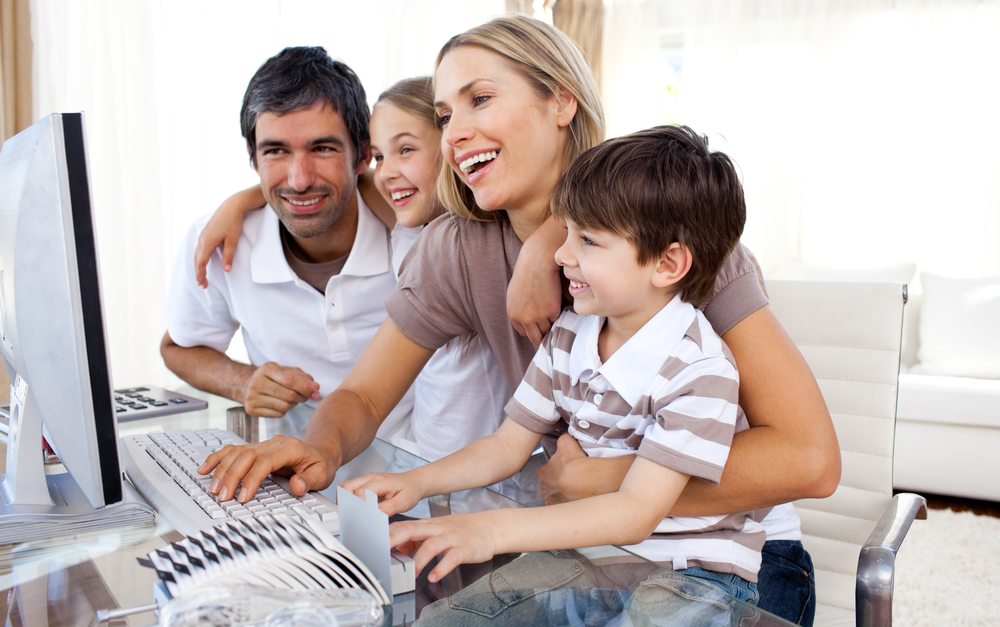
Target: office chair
[850, 335]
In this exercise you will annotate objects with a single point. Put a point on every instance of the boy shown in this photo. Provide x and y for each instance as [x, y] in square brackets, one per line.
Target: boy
[634, 369]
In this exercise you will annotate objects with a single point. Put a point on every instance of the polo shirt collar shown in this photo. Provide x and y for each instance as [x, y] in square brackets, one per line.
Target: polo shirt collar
[369, 255]
[632, 368]
[267, 259]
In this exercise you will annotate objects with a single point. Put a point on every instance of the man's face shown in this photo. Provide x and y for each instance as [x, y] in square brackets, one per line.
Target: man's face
[308, 168]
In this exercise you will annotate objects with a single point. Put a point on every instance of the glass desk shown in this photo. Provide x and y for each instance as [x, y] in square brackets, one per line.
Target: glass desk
[64, 581]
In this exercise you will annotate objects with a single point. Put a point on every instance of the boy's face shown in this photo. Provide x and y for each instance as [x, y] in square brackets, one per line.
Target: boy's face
[605, 276]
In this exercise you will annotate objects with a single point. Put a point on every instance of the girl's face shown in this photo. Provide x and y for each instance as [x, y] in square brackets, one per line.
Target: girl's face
[407, 151]
[504, 141]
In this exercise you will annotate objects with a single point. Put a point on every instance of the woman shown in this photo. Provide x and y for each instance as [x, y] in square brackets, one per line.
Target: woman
[517, 103]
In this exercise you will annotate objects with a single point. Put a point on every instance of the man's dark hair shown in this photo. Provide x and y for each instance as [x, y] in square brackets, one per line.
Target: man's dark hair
[298, 78]
[654, 188]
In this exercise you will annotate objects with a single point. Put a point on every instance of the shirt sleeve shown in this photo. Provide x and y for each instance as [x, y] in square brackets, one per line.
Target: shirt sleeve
[196, 316]
[696, 413]
[533, 405]
[737, 292]
[431, 303]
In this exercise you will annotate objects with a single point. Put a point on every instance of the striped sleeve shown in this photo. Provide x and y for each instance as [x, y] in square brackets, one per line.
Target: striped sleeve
[695, 408]
[534, 403]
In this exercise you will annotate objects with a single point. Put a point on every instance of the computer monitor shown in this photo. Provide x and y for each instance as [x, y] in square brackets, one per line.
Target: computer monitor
[52, 334]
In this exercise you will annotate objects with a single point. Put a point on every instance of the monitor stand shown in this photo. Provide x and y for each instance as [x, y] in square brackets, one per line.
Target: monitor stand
[24, 483]
[34, 505]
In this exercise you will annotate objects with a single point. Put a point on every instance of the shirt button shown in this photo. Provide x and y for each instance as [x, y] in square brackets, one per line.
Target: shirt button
[597, 399]
[333, 326]
[583, 424]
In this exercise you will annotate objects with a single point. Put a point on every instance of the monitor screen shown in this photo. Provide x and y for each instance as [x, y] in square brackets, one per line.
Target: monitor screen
[52, 333]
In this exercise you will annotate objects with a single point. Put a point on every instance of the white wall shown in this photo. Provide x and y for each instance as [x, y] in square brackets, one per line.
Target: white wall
[866, 130]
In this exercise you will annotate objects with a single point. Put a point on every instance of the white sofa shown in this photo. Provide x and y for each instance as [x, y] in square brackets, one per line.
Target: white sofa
[947, 427]
[948, 407]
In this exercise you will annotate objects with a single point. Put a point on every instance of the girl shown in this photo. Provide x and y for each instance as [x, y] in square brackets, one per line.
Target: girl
[460, 394]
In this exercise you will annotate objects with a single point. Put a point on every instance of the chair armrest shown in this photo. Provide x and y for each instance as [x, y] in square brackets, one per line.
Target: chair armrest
[873, 595]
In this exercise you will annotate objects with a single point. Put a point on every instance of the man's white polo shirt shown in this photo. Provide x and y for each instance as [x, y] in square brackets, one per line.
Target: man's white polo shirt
[284, 319]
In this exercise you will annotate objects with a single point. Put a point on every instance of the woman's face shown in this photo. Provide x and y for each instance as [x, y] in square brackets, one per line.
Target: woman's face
[407, 151]
[504, 141]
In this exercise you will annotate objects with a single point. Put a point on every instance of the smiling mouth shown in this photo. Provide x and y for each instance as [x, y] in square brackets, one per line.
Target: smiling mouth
[473, 163]
[304, 203]
[578, 285]
[403, 194]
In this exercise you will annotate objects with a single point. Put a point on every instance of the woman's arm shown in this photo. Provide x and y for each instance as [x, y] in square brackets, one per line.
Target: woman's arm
[790, 452]
[534, 295]
[343, 425]
[224, 230]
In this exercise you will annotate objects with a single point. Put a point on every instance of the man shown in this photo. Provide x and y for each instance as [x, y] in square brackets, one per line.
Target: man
[316, 263]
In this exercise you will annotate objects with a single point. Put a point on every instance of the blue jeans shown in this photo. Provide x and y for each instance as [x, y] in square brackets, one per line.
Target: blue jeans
[786, 582]
[562, 588]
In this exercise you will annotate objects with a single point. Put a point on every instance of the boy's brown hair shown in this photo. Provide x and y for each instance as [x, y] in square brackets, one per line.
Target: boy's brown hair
[656, 187]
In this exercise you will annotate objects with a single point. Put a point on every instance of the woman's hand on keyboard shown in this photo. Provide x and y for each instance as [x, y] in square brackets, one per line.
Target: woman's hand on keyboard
[307, 467]
[396, 492]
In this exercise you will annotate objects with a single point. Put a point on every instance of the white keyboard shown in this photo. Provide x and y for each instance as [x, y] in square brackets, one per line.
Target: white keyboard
[164, 469]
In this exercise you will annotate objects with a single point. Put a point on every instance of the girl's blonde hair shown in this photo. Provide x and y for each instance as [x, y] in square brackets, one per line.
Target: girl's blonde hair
[413, 95]
[550, 61]
[416, 97]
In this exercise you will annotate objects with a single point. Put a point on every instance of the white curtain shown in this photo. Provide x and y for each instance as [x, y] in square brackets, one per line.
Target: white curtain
[866, 130]
[162, 84]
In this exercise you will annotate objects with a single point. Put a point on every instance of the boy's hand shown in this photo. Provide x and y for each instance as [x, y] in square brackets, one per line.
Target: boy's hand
[396, 492]
[458, 539]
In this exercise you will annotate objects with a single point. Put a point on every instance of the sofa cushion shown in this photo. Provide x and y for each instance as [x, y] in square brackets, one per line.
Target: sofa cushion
[959, 330]
[948, 400]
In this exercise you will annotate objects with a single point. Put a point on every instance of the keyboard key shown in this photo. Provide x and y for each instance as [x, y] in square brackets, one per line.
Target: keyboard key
[305, 512]
[325, 513]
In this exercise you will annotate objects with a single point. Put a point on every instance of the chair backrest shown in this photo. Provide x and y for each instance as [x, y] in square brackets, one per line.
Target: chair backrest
[850, 335]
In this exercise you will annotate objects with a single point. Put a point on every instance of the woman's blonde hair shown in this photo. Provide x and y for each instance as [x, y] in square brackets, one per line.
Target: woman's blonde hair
[550, 61]
[413, 95]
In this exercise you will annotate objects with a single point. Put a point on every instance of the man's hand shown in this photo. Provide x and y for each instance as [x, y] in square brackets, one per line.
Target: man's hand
[396, 492]
[570, 475]
[308, 467]
[272, 390]
[460, 539]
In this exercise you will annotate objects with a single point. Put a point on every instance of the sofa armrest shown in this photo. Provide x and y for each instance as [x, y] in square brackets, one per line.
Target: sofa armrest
[873, 595]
